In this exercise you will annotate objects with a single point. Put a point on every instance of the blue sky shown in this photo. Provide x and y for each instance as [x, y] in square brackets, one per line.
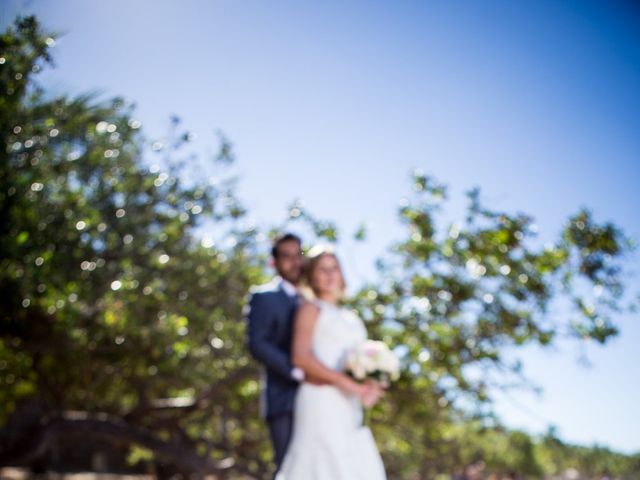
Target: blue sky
[536, 102]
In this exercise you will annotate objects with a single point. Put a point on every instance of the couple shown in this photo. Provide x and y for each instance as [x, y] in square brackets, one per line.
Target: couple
[313, 409]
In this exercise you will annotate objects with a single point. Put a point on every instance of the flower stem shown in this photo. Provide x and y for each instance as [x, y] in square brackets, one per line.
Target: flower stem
[366, 416]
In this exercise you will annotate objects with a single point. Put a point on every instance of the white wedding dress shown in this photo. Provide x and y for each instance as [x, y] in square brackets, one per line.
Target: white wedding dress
[329, 441]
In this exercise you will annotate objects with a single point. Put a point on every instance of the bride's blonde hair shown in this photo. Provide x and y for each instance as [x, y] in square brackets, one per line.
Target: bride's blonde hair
[312, 258]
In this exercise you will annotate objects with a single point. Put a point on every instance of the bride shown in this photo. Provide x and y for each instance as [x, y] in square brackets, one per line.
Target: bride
[329, 441]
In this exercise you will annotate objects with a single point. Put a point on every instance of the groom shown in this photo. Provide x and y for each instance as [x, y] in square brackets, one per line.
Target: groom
[270, 324]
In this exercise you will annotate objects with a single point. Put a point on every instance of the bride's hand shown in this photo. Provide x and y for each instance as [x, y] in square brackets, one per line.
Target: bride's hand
[350, 386]
[369, 392]
[373, 393]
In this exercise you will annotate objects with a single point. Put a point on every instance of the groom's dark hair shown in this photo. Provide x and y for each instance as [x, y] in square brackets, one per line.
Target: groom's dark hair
[287, 237]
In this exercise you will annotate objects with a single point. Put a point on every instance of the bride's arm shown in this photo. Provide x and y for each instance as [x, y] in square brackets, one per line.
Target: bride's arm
[303, 356]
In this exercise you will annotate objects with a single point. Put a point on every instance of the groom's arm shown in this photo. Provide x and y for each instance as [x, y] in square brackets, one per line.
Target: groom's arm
[260, 343]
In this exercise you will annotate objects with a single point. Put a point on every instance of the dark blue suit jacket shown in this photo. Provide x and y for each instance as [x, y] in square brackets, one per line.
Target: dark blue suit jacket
[270, 331]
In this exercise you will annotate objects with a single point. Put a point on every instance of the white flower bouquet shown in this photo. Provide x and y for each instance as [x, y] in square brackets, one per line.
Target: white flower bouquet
[373, 359]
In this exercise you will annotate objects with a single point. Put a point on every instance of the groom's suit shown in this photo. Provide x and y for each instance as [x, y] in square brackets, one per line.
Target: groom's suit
[270, 325]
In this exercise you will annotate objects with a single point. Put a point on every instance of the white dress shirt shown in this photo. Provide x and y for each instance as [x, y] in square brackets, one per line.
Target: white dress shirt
[289, 288]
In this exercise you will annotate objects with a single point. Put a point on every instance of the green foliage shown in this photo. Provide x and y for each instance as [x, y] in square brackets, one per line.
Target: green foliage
[455, 298]
[113, 305]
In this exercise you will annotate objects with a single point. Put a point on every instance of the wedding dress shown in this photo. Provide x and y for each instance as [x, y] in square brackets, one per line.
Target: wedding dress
[329, 441]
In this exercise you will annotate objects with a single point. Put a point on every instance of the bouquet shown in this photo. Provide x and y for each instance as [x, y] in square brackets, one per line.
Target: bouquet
[373, 359]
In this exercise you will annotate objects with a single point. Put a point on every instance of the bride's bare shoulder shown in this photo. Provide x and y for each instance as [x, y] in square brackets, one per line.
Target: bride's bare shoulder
[308, 308]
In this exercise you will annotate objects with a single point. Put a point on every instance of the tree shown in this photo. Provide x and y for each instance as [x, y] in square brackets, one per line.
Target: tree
[455, 297]
[112, 306]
